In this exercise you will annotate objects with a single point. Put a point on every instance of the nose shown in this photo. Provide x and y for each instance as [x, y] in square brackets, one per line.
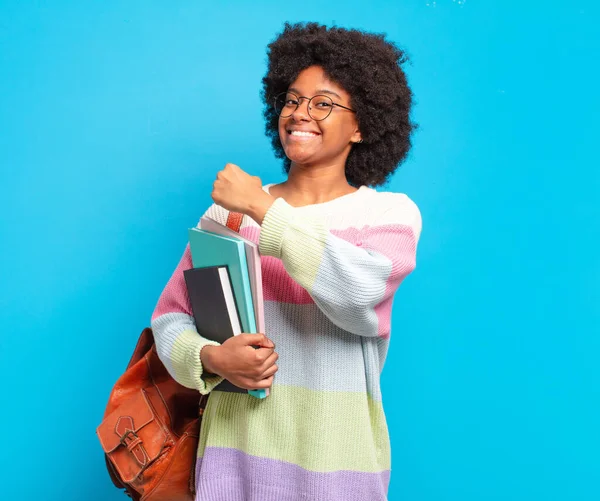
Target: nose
[301, 112]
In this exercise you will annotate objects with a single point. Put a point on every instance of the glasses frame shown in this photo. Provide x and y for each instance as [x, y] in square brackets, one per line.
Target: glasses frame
[308, 105]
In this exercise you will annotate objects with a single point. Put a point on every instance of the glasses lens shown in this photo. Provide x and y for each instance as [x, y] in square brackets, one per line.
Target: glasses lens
[285, 104]
[320, 107]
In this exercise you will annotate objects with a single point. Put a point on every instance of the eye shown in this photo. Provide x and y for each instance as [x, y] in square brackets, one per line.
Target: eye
[321, 102]
[291, 102]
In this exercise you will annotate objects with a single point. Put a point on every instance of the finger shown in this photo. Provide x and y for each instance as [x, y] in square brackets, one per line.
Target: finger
[264, 383]
[270, 372]
[257, 340]
[269, 362]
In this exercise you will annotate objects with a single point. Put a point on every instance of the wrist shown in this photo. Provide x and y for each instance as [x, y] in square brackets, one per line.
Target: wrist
[209, 357]
[259, 207]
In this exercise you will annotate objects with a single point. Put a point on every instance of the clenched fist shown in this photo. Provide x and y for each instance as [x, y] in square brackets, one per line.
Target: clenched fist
[240, 363]
[237, 191]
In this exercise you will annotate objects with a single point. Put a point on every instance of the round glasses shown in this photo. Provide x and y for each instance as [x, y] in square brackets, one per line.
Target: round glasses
[319, 107]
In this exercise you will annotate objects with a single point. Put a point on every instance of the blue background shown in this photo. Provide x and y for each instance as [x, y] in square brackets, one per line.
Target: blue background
[116, 116]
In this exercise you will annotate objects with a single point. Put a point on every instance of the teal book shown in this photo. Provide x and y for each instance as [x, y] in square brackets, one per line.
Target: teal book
[210, 249]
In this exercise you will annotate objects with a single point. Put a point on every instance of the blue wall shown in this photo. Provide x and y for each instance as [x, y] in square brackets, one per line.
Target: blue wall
[115, 117]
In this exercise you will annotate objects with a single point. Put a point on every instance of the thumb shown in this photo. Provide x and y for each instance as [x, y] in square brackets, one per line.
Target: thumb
[258, 340]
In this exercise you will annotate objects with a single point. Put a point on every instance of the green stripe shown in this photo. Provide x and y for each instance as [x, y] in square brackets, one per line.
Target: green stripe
[185, 359]
[317, 430]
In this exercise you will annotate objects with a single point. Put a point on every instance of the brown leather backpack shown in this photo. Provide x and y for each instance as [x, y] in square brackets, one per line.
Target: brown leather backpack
[150, 429]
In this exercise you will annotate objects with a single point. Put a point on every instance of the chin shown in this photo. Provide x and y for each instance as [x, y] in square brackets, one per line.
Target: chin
[299, 157]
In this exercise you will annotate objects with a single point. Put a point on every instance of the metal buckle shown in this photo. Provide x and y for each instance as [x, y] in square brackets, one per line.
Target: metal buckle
[129, 434]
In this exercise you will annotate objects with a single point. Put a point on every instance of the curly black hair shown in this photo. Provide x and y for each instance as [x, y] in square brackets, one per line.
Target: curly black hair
[369, 68]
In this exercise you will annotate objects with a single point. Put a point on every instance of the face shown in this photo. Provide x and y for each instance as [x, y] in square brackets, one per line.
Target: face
[308, 142]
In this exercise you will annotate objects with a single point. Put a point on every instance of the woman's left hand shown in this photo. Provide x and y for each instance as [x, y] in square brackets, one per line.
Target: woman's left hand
[237, 191]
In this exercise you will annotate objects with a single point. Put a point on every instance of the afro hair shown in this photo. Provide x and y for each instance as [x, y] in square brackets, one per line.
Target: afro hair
[369, 68]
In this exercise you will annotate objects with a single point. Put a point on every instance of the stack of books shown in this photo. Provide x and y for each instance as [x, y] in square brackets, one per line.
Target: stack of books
[225, 287]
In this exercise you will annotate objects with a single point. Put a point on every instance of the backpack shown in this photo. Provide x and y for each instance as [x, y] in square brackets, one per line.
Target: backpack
[149, 433]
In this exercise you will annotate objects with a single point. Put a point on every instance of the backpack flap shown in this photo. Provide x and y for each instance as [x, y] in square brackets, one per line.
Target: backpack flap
[132, 437]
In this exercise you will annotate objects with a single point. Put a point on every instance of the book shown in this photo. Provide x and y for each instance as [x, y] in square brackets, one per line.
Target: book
[254, 266]
[213, 305]
[208, 250]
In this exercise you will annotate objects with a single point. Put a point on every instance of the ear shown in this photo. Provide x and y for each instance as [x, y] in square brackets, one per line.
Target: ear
[356, 137]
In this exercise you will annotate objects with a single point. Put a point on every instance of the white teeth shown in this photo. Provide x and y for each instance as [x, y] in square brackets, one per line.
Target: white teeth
[303, 133]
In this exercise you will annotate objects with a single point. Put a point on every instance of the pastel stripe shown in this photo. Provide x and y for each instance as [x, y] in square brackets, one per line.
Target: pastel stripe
[340, 361]
[178, 345]
[303, 246]
[223, 475]
[401, 251]
[280, 286]
[349, 285]
[296, 425]
[174, 297]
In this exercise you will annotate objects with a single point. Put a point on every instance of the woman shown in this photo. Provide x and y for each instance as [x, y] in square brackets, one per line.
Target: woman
[334, 251]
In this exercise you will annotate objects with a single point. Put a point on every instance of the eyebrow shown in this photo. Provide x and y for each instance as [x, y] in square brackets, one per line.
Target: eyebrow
[320, 91]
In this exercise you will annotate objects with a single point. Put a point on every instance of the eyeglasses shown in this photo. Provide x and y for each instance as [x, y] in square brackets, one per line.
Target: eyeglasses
[319, 107]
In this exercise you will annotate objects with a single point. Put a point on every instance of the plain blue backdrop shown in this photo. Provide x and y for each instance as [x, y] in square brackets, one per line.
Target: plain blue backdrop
[116, 116]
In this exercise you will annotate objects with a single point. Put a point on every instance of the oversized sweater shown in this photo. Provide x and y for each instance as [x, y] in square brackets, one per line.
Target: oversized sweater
[330, 272]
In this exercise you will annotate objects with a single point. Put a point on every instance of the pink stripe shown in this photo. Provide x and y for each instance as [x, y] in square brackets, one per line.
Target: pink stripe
[251, 233]
[279, 286]
[174, 298]
[397, 243]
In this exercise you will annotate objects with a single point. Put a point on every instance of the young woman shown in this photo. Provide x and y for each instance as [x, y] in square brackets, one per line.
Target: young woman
[334, 251]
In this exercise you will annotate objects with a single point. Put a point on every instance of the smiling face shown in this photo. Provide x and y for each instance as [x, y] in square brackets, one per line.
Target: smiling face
[307, 142]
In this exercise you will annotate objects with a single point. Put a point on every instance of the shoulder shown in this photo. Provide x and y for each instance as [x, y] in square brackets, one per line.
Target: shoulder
[216, 213]
[388, 207]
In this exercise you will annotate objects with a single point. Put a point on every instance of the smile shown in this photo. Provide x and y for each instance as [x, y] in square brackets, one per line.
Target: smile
[302, 134]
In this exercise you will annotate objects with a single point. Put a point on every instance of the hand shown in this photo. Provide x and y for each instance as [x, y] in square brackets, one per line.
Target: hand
[237, 191]
[237, 361]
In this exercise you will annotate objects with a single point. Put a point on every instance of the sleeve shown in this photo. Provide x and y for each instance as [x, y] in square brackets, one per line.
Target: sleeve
[177, 340]
[351, 274]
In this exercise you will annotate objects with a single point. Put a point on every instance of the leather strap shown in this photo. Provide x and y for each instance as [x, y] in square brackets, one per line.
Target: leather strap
[234, 221]
[125, 430]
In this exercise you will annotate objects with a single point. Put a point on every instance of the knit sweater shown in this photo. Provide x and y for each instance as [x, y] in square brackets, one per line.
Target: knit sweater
[330, 272]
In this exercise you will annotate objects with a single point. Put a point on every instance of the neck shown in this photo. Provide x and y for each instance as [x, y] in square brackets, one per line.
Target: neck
[314, 185]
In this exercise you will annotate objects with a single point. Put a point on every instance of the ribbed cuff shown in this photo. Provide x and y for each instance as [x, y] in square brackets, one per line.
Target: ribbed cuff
[276, 221]
[203, 382]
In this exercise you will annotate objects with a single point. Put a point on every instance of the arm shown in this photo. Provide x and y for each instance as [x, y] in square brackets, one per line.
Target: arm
[352, 274]
[178, 343]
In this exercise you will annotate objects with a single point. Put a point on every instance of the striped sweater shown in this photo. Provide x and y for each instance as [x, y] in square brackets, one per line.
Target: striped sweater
[330, 272]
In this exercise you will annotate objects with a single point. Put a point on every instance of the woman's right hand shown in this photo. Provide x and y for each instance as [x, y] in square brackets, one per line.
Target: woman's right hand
[240, 363]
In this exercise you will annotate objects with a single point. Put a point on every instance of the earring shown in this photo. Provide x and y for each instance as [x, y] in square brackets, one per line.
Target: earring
[359, 141]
